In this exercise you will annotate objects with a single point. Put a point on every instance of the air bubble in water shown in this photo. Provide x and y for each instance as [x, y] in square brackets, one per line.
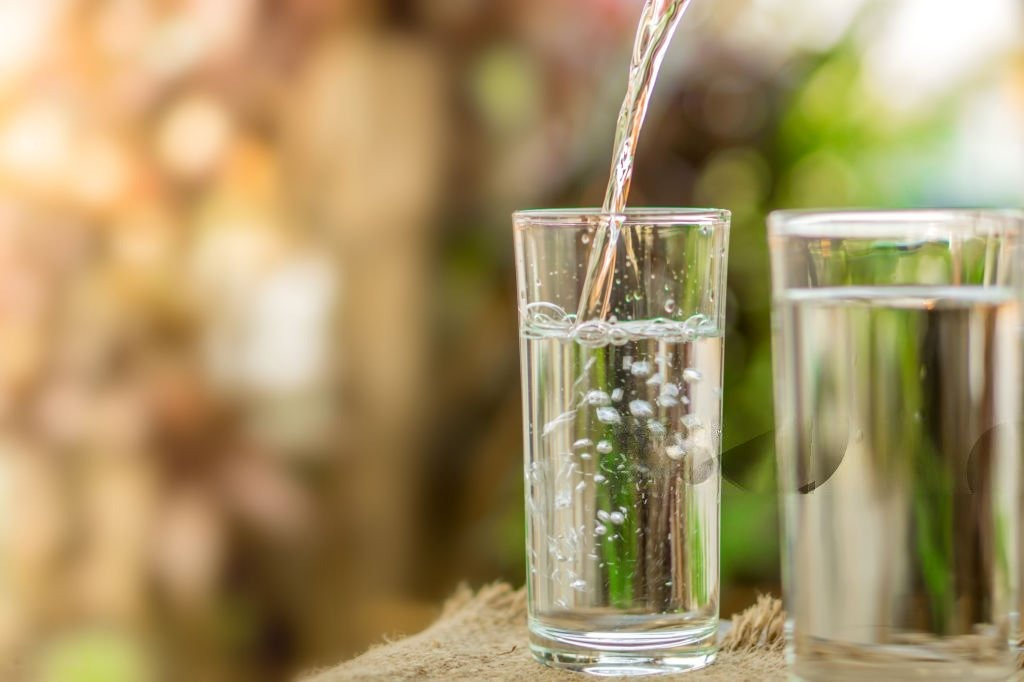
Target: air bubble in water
[702, 466]
[655, 380]
[665, 400]
[692, 421]
[602, 515]
[670, 306]
[598, 398]
[582, 443]
[578, 585]
[599, 478]
[592, 334]
[697, 321]
[670, 390]
[585, 239]
[585, 456]
[656, 428]
[677, 451]
[545, 315]
[692, 376]
[627, 362]
[618, 518]
[604, 447]
[608, 415]
[600, 530]
[617, 395]
[640, 369]
[641, 408]
[618, 336]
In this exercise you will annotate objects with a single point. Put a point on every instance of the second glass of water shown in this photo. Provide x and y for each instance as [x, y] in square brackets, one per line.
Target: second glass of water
[622, 433]
[897, 349]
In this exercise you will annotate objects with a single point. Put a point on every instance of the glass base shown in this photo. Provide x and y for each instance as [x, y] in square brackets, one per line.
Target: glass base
[838, 671]
[850, 663]
[624, 653]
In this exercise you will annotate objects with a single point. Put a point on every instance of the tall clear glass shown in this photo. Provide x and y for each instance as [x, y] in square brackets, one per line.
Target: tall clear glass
[622, 433]
[898, 392]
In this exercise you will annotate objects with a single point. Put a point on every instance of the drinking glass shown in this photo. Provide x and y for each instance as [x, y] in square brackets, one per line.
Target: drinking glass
[622, 430]
[897, 354]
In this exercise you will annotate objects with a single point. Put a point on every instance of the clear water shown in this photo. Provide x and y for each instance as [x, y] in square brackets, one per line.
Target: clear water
[622, 475]
[900, 454]
[658, 24]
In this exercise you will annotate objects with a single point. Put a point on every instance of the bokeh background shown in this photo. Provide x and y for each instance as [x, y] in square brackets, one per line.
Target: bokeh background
[259, 400]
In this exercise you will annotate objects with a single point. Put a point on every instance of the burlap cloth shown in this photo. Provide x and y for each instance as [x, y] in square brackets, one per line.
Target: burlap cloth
[483, 636]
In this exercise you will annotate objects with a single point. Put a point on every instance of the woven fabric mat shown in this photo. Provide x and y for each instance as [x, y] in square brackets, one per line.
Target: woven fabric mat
[483, 636]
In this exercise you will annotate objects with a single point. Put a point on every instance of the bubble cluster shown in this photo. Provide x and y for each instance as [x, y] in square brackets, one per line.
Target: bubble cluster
[547, 320]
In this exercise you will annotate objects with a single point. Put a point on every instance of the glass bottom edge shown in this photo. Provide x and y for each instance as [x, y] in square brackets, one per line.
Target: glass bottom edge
[855, 668]
[617, 654]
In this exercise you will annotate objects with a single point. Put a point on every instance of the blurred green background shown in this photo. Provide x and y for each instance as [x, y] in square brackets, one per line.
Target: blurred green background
[259, 400]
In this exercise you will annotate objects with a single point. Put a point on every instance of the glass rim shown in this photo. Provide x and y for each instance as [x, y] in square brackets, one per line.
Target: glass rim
[656, 216]
[926, 223]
